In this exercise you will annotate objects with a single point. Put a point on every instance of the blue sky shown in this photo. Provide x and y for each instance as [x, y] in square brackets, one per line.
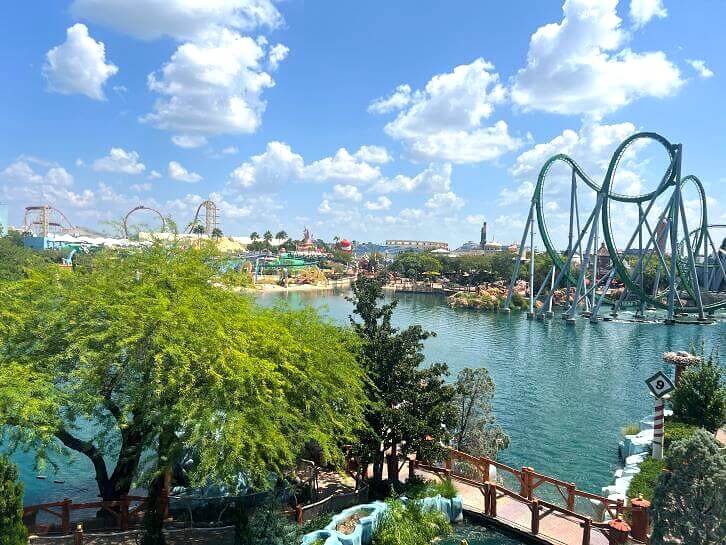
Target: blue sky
[368, 120]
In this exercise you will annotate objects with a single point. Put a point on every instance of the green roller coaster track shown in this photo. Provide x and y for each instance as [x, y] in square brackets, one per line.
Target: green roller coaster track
[683, 269]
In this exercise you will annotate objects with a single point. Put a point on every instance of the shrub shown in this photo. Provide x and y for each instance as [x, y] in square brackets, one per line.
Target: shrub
[644, 482]
[677, 431]
[416, 487]
[445, 488]
[12, 530]
[317, 523]
[700, 397]
[409, 525]
[630, 429]
[689, 504]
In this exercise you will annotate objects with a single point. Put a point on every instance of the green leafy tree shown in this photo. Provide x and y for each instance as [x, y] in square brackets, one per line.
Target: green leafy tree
[216, 232]
[281, 235]
[689, 504]
[476, 431]
[254, 236]
[700, 397]
[267, 236]
[15, 259]
[170, 225]
[415, 264]
[144, 350]
[12, 530]
[412, 405]
[198, 230]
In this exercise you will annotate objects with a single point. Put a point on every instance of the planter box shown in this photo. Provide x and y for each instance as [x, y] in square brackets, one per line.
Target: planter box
[365, 527]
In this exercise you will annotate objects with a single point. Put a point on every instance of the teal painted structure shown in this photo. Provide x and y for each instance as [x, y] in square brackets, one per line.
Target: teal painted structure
[363, 533]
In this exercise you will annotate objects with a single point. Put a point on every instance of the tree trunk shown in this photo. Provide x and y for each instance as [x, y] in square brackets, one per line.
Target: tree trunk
[154, 515]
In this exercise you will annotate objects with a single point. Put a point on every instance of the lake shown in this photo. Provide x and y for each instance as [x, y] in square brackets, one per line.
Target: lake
[562, 392]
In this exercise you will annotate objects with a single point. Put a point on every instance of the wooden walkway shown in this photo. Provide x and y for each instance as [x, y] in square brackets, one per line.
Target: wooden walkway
[576, 519]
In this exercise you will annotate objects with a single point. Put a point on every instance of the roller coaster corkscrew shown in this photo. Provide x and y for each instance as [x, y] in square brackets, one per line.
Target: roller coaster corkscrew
[690, 270]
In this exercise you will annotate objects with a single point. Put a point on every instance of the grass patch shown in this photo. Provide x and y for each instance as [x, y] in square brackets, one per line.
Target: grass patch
[630, 429]
[644, 482]
[417, 488]
[409, 525]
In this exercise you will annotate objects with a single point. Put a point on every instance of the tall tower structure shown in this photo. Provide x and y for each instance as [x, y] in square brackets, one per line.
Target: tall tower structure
[483, 239]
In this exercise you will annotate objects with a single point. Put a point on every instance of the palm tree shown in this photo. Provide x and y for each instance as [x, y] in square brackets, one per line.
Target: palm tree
[267, 237]
[254, 236]
[281, 235]
[216, 232]
[198, 230]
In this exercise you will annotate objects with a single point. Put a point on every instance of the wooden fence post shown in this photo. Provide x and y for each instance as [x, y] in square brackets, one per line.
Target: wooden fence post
[124, 513]
[534, 508]
[586, 531]
[447, 464]
[571, 496]
[493, 500]
[618, 531]
[299, 514]
[525, 489]
[487, 498]
[640, 518]
[485, 469]
[78, 535]
[66, 516]
[411, 468]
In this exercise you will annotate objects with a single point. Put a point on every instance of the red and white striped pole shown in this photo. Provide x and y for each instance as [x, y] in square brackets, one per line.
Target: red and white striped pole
[658, 428]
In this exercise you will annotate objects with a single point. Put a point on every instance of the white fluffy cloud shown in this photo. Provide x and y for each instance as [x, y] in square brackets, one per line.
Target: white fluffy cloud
[78, 66]
[180, 19]
[270, 170]
[399, 99]
[279, 165]
[579, 66]
[213, 86]
[29, 180]
[591, 147]
[444, 121]
[276, 55]
[346, 193]
[642, 11]
[188, 141]
[444, 202]
[435, 178]
[700, 67]
[341, 167]
[381, 203]
[181, 174]
[373, 154]
[121, 161]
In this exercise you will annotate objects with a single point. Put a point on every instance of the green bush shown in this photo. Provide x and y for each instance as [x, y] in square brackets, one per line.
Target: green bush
[408, 524]
[446, 489]
[317, 523]
[677, 431]
[12, 530]
[644, 482]
[700, 397]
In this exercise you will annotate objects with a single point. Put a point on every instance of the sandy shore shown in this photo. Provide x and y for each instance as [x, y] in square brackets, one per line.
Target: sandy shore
[266, 288]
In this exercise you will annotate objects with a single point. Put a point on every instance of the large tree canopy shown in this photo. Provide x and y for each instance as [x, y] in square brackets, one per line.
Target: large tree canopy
[142, 352]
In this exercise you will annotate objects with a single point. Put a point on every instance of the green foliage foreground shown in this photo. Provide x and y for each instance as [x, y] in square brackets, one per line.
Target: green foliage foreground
[12, 530]
[700, 397]
[144, 352]
[408, 524]
[689, 504]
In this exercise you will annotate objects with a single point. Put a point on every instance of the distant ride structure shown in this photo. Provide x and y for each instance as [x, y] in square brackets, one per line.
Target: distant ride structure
[42, 220]
[207, 215]
[125, 223]
[666, 263]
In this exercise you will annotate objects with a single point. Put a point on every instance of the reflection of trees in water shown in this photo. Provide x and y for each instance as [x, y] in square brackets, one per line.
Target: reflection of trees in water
[477, 535]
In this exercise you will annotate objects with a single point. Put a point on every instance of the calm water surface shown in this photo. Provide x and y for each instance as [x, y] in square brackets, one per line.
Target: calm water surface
[562, 392]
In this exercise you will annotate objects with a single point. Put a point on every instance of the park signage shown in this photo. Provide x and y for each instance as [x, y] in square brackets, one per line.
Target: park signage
[659, 384]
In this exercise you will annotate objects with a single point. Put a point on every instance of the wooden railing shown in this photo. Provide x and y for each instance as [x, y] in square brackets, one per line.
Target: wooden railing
[120, 514]
[528, 481]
